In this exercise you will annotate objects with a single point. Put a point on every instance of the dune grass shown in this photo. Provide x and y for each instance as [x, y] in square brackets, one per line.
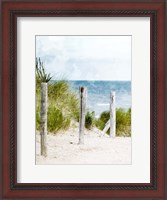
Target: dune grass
[63, 106]
[123, 121]
[89, 120]
[63, 103]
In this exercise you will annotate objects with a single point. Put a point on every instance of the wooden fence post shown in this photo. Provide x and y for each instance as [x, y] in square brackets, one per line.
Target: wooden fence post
[107, 126]
[83, 92]
[112, 115]
[43, 118]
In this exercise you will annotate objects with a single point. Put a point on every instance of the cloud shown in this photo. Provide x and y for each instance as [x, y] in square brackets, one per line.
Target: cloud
[86, 57]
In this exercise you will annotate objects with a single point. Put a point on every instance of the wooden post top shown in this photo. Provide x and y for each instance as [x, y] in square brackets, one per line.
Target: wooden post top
[82, 89]
[44, 83]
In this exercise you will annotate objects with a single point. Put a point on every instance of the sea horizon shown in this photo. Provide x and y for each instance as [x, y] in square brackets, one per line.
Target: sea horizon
[66, 79]
[98, 93]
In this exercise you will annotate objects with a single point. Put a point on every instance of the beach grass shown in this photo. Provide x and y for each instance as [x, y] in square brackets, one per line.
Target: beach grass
[89, 120]
[123, 121]
[63, 106]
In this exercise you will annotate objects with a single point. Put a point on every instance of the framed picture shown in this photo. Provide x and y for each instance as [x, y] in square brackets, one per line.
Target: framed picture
[83, 100]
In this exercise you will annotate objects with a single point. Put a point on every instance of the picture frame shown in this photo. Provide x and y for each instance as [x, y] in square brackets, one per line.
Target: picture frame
[153, 190]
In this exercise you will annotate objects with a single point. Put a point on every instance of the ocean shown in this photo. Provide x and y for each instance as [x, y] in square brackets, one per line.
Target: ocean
[98, 94]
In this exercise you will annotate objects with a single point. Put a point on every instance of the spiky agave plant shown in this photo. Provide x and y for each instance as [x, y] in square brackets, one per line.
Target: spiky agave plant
[41, 75]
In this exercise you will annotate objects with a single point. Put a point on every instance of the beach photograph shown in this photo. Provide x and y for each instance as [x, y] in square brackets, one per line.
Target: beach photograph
[83, 100]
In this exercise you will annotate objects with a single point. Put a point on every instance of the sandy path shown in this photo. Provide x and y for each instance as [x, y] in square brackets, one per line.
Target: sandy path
[63, 148]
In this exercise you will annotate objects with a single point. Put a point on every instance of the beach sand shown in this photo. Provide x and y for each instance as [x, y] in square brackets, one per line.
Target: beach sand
[98, 148]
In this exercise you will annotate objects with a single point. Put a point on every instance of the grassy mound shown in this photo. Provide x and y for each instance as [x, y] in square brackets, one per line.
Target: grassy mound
[63, 106]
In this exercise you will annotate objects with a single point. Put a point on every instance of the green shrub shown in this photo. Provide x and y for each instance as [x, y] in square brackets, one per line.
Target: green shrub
[89, 120]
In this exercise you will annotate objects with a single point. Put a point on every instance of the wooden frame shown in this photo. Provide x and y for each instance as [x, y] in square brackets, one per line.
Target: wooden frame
[10, 12]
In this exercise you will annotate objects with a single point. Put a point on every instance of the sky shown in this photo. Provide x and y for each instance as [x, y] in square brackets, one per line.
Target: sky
[86, 57]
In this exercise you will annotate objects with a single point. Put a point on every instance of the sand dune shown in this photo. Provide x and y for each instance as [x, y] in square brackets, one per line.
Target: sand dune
[98, 148]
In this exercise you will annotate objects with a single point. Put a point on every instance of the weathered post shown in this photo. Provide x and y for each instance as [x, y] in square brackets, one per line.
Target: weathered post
[112, 115]
[43, 118]
[83, 92]
[107, 126]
